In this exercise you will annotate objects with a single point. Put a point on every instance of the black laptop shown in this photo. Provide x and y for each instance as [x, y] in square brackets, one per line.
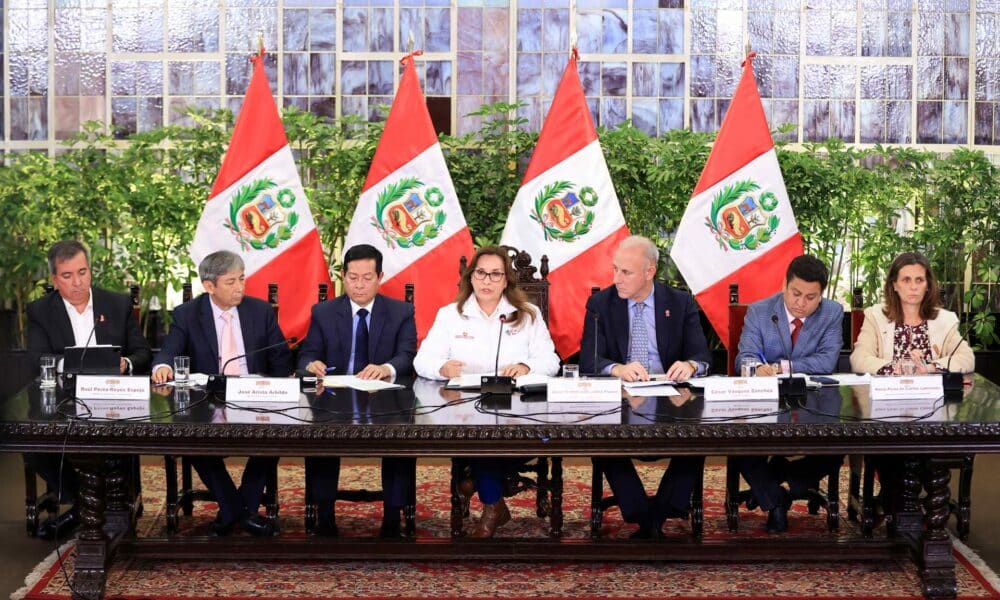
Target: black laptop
[92, 360]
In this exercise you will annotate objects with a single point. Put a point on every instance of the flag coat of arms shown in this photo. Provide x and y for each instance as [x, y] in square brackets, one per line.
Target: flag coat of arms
[739, 226]
[408, 207]
[567, 209]
[257, 209]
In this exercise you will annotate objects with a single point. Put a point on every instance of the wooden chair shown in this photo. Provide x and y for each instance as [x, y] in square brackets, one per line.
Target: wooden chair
[35, 504]
[861, 495]
[816, 499]
[543, 477]
[364, 495]
[599, 503]
[182, 500]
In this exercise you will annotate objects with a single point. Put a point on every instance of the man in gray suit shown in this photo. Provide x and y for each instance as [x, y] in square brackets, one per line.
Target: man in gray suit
[800, 328]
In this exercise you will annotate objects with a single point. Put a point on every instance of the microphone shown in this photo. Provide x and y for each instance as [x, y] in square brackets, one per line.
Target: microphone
[952, 382]
[596, 316]
[788, 386]
[497, 384]
[86, 344]
[217, 382]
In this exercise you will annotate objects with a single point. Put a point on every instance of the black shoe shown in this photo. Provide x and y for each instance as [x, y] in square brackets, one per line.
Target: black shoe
[777, 517]
[390, 530]
[647, 533]
[326, 529]
[220, 529]
[258, 526]
[61, 526]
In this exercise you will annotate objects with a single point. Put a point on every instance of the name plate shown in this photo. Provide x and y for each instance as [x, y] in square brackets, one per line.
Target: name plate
[728, 389]
[754, 411]
[118, 409]
[262, 389]
[907, 387]
[578, 389]
[112, 387]
[905, 410]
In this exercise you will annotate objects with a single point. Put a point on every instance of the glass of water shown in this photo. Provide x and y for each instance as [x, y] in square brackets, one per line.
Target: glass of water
[571, 371]
[748, 366]
[48, 367]
[906, 366]
[182, 370]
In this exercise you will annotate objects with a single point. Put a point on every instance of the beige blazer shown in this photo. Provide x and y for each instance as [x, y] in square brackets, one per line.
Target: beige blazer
[874, 347]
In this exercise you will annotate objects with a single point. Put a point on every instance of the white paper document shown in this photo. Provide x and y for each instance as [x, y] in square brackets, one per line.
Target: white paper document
[651, 390]
[851, 378]
[356, 383]
[467, 380]
[655, 380]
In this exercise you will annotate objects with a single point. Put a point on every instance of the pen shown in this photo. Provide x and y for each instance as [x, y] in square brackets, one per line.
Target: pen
[760, 355]
[330, 369]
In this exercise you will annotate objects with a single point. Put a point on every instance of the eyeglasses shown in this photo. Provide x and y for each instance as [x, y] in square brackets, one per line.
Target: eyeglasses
[481, 275]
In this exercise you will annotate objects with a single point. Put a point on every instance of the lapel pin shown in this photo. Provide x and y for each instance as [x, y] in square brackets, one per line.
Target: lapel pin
[666, 313]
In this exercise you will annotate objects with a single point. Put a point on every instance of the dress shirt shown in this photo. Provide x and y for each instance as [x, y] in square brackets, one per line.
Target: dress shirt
[790, 317]
[649, 316]
[83, 327]
[471, 337]
[355, 307]
[237, 332]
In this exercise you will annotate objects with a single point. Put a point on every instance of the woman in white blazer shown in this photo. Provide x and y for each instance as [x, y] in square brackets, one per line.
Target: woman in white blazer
[910, 325]
[463, 340]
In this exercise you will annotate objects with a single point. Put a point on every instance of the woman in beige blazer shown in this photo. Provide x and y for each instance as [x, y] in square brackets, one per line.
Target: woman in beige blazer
[911, 324]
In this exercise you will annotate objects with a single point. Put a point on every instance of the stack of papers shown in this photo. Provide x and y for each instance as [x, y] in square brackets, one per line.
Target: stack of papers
[354, 382]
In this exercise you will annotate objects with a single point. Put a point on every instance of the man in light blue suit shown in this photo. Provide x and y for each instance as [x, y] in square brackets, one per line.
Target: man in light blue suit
[801, 327]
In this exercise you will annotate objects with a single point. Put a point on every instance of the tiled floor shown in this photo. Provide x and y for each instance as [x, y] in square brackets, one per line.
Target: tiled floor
[21, 553]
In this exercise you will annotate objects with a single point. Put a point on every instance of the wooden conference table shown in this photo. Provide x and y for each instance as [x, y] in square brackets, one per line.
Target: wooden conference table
[425, 420]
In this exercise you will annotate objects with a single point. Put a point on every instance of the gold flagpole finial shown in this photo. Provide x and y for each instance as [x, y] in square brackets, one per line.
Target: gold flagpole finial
[260, 42]
[409, 43]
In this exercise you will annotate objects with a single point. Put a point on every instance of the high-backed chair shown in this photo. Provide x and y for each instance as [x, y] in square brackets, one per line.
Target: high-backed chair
[364, 495]
[182, 500]
[816, 499]
[546, 482]
[861, 495]
[599, 503]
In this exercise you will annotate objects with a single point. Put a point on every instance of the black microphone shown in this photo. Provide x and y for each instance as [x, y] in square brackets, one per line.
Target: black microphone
[788, 386]
[597, 332]
[497, 384]
[86, 345]
[216, 382]
[952, 382]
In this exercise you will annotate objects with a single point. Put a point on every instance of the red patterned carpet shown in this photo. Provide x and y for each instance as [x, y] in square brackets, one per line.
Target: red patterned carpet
[237, 579]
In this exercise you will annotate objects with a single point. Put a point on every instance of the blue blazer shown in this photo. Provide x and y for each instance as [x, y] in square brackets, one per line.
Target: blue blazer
[392, 339]
[193, 333]
[679, 335]
[819, 343]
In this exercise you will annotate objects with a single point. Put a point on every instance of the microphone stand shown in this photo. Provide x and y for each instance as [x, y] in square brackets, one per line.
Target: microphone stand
[789, 387]
[498, 387]
[217, 381]
[953, 382]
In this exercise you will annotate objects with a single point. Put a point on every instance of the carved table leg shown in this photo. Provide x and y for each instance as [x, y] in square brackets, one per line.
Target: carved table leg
[118, 519]
[907, 520]
[92, 554]
[937, 570]
[456, 502]
[557, 498]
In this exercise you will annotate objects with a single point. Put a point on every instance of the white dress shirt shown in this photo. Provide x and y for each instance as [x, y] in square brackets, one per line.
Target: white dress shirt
[472, 336]
[82, 323]
[237, 332]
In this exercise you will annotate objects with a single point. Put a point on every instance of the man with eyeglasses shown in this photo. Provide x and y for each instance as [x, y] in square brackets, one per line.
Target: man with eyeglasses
[366, 334]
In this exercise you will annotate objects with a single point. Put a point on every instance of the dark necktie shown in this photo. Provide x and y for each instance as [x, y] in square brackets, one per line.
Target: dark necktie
[796, 328]
[361, 342]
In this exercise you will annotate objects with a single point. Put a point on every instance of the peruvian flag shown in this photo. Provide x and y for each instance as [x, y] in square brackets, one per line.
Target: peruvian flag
[738, 227]
[257, 209]
[408, 208]
[567, 209]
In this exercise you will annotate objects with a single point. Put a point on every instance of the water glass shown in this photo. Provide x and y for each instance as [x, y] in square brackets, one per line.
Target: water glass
[182, 370]
[571, 371]
[748, 366]
[48, 366]
[906, 366]
[48, 400]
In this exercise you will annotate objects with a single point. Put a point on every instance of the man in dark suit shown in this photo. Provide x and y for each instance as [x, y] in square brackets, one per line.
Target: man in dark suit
[223, 331]
[78, 315]
[634, 329]
[800, 321]
[366, 334]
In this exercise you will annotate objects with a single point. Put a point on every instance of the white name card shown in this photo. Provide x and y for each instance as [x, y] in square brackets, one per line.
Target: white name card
[728, 389]
[754, 411]
[905, 410]
[907, 387]
[581, 389]
[118, 409]
[262, 389]
[112, 387]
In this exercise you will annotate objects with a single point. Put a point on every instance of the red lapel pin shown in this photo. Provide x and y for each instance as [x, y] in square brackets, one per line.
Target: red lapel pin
[666, 313]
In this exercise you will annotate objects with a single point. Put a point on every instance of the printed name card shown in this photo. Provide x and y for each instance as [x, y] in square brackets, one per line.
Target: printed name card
[582, 389]
[754, 411]
[906, 410]
[262, 389]
[117, 409]
[112, 387]
[728, 389]
[907, 387]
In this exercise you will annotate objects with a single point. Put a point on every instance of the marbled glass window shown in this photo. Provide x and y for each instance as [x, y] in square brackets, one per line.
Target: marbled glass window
[309, 62]
[943, 84]
[987, 75]
[482, 65]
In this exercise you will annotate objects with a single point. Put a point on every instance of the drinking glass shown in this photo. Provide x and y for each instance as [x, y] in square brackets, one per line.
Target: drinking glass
[182, 370]
[907, 366]
[571, 371]
[748, 366]
[48, 366]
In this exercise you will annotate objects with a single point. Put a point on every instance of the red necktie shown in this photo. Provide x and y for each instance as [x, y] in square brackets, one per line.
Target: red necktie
[796, 328]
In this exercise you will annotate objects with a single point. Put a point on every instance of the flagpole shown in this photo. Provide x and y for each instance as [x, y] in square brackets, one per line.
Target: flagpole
[260, 43]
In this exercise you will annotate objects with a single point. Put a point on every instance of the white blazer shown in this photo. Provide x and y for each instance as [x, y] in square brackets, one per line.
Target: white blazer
[875, 344]
[472, 337]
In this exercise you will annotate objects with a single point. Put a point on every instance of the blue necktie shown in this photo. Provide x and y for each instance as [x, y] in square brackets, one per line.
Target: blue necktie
[638, 343]
[361, 342]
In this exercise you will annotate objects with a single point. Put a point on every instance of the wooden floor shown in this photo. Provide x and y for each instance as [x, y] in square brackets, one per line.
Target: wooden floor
[21, 553]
